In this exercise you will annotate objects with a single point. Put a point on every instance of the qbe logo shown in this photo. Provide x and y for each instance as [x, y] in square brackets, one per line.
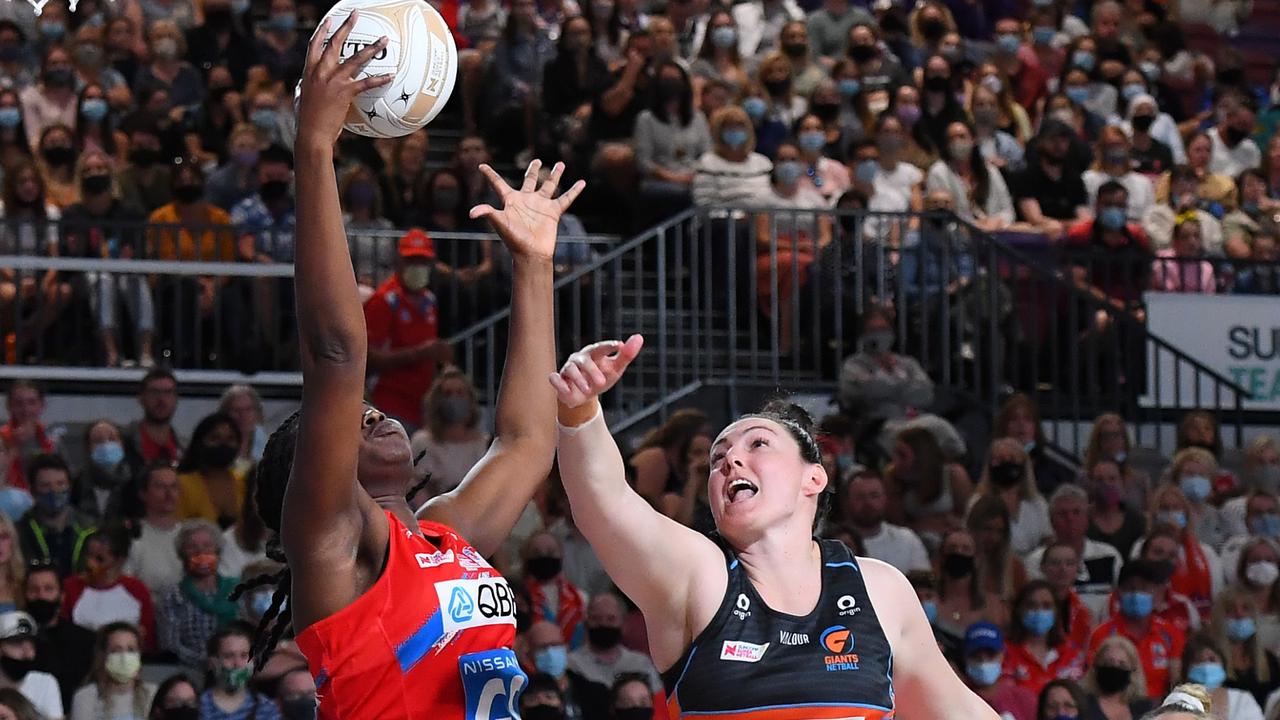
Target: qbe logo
[475, 603]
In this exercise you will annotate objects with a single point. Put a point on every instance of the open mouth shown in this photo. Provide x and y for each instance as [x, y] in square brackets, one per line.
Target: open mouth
[386, 427]
[741, 488]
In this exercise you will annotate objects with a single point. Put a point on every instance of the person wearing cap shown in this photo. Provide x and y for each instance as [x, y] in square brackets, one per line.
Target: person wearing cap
[984, 672]
[18, 663]
[404, 332]
[1159, 642]
[1162, 548]
[1049, 193]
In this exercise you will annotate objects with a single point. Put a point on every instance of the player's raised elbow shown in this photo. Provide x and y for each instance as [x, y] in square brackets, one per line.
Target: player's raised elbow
[336, 347]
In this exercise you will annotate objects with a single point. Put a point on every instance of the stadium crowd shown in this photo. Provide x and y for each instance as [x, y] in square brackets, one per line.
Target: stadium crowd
[1060, 587]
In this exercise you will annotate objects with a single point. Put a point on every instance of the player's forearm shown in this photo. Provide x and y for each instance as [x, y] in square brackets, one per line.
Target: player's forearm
[526, 407]
[590, 464]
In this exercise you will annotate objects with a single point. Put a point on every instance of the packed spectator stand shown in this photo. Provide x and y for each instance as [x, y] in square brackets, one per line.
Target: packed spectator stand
[1109, 149]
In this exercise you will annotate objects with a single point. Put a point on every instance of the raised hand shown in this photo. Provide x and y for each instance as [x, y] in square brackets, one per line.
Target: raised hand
[529, 216]
[329, 84]
[594, 369]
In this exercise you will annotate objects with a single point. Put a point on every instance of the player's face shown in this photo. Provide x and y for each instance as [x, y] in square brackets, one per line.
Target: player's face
[385, 455]
[758, 478]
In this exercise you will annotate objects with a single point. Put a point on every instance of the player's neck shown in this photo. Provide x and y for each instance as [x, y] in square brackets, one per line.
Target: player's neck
[786, 572]
[400, 508]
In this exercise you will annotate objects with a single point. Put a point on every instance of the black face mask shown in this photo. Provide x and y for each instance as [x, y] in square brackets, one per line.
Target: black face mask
[1006, 475]
[219, 457]
[299, 708]
[144, 157]
[188, 194]
[16, 669]
[1053, 160]
[1112, 679]
[524, 620]
[933, 29]
[95, 184]
[43, 611]
[778, 87]
[937, 84]
[826, 112]
[1142, 123]
[604, 638]
[957, 566]
[670, 90]
[542, 712]
[1235, 136]
[59, 78]
[795, 51]
[543, 568]
[273, 191]
[217, 18]
[182, 712]
[640, 713]
[59, 155]
[862, 53]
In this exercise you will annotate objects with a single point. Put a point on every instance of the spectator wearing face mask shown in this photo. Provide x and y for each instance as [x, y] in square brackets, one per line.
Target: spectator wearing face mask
[1204, 663]
[1261, 472]
[53, 530]
[235, 179]
[1257, 571]
[297, 695]
[18, 665]
[1115, 682]
[189, 614]
[1194, 470]
[1157, 144]
[597, 665]
[169, 70]
[1204, 188]
[1110, 520]
[227, 695]
[547, 696]
[997, 146]
[210, 486]
[1159, 643]
[1184, 200]
[1250, 666]
[371, 252]
[731, 173]
[176, 699]
[1261, 520]
[1109, 440]
[829, 26]
[1038, 651]
[1050, 194]
[877, 383]
[670, 136]
[984, 654]
[552, 597]
[101, 488]
[280, 46]
[1232, 151]
[1010, 477]
[53, 100]
[979, 190]
[451, 439]
[632, 698]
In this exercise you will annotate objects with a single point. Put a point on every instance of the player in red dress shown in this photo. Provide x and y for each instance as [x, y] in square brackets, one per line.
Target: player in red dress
[399, 616]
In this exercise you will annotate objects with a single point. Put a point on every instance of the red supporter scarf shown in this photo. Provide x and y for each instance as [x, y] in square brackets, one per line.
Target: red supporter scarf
[1191, 577]
[571, 611]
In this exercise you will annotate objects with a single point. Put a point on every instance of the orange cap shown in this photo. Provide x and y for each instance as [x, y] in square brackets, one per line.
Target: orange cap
[416, 243]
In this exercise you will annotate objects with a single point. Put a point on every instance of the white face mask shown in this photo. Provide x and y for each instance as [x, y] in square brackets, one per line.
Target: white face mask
[1262, 573]
[415, 277]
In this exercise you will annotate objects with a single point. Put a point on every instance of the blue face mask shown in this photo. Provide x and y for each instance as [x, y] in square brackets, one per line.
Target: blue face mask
[282, 23]
[1196, 487]
[552, 660]
[930, 610]
[1136, 605]
[735, 139]
[1150, 71]
[788, 172]
[984, 674]
[724, 37]
[755, 108]
[107, 455]
[54, 501]
[93, 109]
[813, 140]
[1133, 90]
[1209, 674]
[849, 87]
[1043, 35]
[1112, 218]
[1176, 518]
[1083, 59]
[1267, 525]
[1240, 629]
[263, 118]
[10, 117]
[1038, 622]
[1077, 94]
[1008, 43]
[865, 172]
[260, 603]
[53, 29]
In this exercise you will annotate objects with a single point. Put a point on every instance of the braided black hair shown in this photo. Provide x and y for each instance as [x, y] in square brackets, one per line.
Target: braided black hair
[272, 478]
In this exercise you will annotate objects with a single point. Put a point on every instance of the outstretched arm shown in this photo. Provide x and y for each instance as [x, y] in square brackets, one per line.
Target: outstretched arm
[675, 575]
[487, 504]
[324, 507]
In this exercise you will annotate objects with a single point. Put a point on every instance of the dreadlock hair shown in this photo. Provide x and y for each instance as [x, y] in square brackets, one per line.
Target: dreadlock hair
[271, 478]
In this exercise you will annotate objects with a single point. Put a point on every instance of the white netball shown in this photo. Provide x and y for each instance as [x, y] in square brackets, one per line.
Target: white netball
[420, 56]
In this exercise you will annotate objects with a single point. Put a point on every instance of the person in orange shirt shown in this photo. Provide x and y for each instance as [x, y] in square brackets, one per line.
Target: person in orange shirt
[1059, 565]
[24, 436]
[1162, 546]
[1159, 643]
[1037, 650]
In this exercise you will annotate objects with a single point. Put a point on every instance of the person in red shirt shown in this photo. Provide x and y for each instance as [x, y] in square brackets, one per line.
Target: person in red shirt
[1060, 566]
[153, 439]
[1162, 546]
[1159, 643]
[984, 672]
[24, 435]
[1110, 256]
[404, 333]
[1037, 650]
[103, 594]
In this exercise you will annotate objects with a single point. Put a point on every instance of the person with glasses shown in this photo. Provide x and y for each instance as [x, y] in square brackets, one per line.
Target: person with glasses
[153, 437]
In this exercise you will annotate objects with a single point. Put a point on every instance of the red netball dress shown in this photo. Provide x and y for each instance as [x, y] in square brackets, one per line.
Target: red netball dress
[430, 639]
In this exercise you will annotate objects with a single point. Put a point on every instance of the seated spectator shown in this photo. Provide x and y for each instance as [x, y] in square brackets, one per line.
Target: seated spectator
[1116, 683]
[1180, 268]
[1010, 477]
[52, 101]
[29, 228]
[14, 502]
[151, 556]
[863, 505]
[63, 649]
[1109, 440]
[235, 180]
[514, 79]
[1210, 187]
[297, 694]
[554, 599]
[1260, 472]
[984, 654]
[221, 110]
[53, 530]
[190, 614]
[893, 173]
[927, 493]
[1050, 194]
[245, 542]
[102, 487]
[24, 435]
[56, 149]
[1183, 200]
[1000, 149]
[1099, 563]
[1060, 566]
[1199, 428]
[12, 566]
[1262, 517]
[940, 105]
[228, 696]
[168, 69]
[153, 438]
[114, 689]
[209, 485]
[1037, 650]
[1113, 163]
[782, 106]
[1111, 521]
[1257, 572]
[1019, 418]
[1261, 278]
[451, 440]
[1108, 254]
[905, 105]
[925, 583]
[1193, 471]
[371, 252]
[548, 695]
[1011, 118]
[13, 134]
[581, 75]
[266, 218]
[999, 571]
[731, 173]
[961, 598]
[18, 665]
[670, 135]
[1204, 663]
[244, 405]
[103, 594]
[632, 698]
[688, 503]
[176, 698]
[1253, 215]
[1059, 699]
[1157, 144]
[822, 175]
[602, 661]
[1250, 666]
[980, 194]
[661, 460]
[877, 384]
[146, 179]
[1232, 150]
[1159, 643]
[719, 58]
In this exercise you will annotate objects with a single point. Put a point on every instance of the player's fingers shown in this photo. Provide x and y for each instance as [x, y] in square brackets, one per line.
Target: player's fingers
[367, 53]
[371, 82]
[481, 211]
[601, 350]
[592, 371]
[548, 189]
[315, 48]
[627, 352]
[571, 194]
[562, 388]
[333, 53]
[531, 176]
[573, 374]
[499, 185]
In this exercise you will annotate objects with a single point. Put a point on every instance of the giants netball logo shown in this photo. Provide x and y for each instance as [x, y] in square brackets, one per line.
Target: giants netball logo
[838, 642]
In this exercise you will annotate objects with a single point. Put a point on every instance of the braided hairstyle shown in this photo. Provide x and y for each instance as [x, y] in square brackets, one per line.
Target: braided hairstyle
[272, 478]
